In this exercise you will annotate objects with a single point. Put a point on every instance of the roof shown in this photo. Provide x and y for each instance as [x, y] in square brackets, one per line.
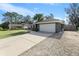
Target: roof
[50, 22]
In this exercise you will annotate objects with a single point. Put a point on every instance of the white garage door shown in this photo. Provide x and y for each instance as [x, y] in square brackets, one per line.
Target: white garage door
[47, 27]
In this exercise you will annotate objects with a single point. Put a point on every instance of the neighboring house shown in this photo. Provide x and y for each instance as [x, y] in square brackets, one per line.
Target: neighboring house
[15, 26]
[25, 26]
[50, 26]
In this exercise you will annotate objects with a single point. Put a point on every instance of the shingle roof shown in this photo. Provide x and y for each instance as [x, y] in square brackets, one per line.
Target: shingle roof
[50, 21]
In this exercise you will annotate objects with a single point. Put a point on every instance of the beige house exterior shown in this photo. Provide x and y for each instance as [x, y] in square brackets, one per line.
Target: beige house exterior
[14, 26]
[50, 26]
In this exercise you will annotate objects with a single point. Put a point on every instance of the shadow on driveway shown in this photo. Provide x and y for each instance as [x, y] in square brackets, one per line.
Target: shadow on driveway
[48, 35]
[41, 34]
[57, 35]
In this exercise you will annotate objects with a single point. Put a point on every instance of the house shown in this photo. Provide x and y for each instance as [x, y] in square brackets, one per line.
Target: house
[16, 26]
[50, 26]
[26, 26]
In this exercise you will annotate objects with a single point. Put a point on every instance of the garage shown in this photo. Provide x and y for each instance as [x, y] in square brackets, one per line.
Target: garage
[47, 27]
[50, 26]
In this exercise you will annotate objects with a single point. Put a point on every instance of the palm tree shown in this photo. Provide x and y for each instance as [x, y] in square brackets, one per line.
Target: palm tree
[38, 17]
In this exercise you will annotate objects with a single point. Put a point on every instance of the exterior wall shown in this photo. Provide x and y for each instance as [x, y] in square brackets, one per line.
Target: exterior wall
[59, 27]
[37, 27]
[47, 27]
[14, 26]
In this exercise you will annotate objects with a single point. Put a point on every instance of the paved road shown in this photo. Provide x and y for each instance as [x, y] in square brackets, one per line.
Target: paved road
[62, 44]
[16, 45]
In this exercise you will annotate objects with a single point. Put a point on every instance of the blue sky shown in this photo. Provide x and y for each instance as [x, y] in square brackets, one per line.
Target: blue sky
[57, 9]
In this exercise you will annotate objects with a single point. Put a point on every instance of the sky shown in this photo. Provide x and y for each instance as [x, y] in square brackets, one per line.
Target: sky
[57, 9]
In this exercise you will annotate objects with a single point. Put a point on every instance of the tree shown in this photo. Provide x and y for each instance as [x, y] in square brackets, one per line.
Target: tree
[38, 17]
[15, 16]
[8, 17]
[12, 17]
[27, 19]
[20, 18]
[49, 17]
[4, 25]
[73, 14]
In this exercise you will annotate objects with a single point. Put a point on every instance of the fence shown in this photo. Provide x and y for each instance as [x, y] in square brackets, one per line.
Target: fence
[69, 28]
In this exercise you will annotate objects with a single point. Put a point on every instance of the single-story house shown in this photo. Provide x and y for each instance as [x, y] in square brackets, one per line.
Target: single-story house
[50, 26]
[14, 26]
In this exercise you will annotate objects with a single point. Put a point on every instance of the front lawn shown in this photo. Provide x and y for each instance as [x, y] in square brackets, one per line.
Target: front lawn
[8, 33]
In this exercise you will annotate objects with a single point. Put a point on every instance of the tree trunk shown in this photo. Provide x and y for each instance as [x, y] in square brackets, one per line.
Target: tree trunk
[10, 23]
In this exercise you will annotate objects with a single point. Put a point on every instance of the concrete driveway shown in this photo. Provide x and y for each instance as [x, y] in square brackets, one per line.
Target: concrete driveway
[59, 44]
[13, 46]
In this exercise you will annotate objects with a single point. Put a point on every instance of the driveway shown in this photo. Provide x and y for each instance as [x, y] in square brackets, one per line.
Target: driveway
[13, 46]
[60, 44]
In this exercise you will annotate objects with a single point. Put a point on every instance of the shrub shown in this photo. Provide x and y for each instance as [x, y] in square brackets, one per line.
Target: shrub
[4, 25]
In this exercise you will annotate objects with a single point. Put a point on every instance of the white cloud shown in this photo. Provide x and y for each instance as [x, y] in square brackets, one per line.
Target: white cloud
[58, 18]
[37, 10]
[64, 19]
[56, 4]
[11, 8]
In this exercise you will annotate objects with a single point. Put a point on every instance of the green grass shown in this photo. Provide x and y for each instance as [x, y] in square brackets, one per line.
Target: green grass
[8, 33]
